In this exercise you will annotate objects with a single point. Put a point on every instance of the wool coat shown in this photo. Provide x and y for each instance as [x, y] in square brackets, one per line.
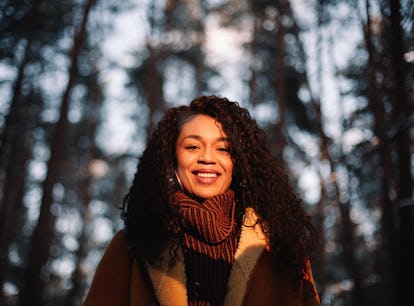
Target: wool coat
[255, 278]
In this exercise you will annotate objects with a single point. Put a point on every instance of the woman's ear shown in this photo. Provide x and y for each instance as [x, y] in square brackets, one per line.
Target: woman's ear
[175, 181]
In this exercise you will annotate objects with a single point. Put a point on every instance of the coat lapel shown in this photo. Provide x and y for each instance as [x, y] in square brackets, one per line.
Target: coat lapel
[251, 245]
[170, 282]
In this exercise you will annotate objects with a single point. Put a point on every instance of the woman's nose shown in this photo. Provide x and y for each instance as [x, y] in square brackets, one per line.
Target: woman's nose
[206, 156]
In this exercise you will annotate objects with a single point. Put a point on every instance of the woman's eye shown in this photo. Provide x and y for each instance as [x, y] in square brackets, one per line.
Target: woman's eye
[191, 148]
[224, 149]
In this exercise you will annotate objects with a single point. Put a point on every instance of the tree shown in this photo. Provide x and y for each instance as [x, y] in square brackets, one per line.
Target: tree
[387, 182]
[22, 24]
[402, 111]
[44, 231]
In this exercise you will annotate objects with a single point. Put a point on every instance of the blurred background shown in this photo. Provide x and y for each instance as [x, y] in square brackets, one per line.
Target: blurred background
[83, 82]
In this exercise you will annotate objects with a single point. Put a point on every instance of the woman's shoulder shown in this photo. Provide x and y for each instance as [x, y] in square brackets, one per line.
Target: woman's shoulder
[110, 284]
[118, 248]
[119, 239]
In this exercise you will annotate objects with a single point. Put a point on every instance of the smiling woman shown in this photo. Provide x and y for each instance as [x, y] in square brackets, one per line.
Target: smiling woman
[210, 219]
[204, 163]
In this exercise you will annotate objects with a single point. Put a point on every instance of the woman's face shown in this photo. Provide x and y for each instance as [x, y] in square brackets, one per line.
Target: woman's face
[204, 164]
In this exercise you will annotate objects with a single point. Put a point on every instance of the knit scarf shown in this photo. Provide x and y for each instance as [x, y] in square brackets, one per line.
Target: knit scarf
[210, 241]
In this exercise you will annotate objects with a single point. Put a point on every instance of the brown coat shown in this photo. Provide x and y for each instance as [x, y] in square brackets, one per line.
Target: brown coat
[255, 280]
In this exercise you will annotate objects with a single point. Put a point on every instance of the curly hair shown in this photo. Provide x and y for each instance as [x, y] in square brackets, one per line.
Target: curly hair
[258, 182]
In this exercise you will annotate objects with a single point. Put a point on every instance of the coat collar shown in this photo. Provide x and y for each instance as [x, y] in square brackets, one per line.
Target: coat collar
[170, 282]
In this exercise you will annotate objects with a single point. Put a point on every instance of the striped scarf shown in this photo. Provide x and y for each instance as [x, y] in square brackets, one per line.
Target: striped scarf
[209, 241]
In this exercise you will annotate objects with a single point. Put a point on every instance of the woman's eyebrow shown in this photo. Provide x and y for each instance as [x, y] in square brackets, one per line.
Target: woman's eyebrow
[198, 137]
[193, 136]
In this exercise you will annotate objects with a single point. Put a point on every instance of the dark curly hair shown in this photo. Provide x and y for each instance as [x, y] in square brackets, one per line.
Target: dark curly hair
[258, 182]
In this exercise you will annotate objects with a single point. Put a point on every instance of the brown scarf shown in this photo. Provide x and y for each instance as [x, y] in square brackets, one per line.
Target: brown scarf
[211, 221]
[210, 239]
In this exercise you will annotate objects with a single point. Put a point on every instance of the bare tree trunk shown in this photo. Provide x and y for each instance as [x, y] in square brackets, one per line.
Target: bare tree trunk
[281, 77]
[254, 95]
[388, 258]
[13, 119]
[13, 192]
[44, 232]
[402, 110]
[199, 64]
[12, 159]
[153, 87]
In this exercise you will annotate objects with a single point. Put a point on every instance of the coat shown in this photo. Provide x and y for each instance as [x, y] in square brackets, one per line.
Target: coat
[255, 278]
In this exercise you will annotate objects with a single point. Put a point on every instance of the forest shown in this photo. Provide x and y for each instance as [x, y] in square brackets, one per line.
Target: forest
[83, 82]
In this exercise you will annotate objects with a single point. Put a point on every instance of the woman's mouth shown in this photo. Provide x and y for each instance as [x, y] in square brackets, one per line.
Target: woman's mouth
[206, 177]
[204, 174]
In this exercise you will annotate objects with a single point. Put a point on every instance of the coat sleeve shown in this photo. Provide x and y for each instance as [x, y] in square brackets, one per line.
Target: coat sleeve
[111, 283]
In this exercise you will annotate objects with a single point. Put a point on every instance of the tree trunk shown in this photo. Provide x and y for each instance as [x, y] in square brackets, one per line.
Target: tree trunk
[43, 236]
[153, 87]
[280, 82]
[254, 94]
[12, 158]
[388, 258]
[13, 119]
[402, 110]
[12, 200]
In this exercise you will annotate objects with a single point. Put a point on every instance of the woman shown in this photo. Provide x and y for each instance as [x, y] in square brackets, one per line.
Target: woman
[210, 219]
